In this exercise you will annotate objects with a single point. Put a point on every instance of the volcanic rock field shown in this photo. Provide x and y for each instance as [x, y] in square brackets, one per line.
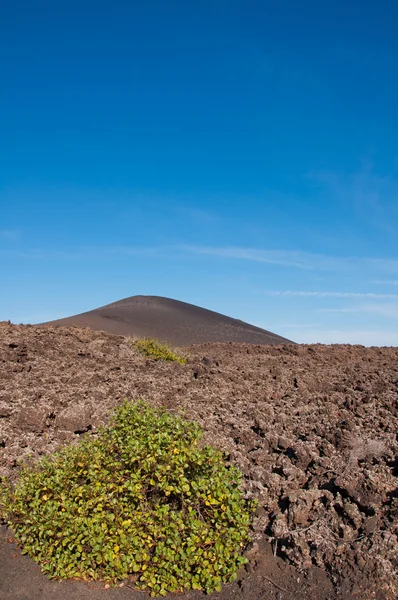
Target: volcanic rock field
[313, 429]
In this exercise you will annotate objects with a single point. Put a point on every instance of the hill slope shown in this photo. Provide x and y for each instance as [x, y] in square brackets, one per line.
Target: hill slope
[171, 321]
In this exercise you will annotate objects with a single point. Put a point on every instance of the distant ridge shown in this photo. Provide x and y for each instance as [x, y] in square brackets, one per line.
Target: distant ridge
[171, 321]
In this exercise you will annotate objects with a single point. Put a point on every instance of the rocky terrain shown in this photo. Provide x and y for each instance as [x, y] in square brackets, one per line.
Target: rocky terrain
[313, 428]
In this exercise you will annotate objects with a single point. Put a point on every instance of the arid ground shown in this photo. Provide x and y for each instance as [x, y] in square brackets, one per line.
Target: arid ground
[313, 428]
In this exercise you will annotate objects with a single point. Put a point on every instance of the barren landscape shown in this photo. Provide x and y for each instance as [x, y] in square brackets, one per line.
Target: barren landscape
[199, 307]
[313, 429]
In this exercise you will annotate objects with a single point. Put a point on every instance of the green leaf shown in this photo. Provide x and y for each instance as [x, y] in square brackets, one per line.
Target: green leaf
[115, 507]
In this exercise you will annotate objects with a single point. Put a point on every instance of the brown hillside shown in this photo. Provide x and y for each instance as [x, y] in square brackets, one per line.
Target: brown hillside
[313, 429]
[171, 321]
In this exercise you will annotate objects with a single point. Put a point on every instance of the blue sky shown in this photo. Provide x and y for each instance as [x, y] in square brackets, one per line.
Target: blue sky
[239, 155]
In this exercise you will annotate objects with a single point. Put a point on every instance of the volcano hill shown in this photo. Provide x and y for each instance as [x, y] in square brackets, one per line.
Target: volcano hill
[171, 321]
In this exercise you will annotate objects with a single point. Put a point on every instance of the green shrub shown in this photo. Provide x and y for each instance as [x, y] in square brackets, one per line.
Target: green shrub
[154, 349]
[142, 500]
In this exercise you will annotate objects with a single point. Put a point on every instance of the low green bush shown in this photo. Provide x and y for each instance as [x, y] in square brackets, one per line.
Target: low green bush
[142, 500]
[154, 349]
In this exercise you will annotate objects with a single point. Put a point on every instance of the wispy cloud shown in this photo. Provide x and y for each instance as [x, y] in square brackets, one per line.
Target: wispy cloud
[296, 258]
[288, 258]
[9, 234]
[373, 197]
[317, 333]
[292, 325]
[87, 252]
[196, 214]
[365, 337]
[284, 258]
[384, 309]
[34, 318]
[305, 294]
[385, 281]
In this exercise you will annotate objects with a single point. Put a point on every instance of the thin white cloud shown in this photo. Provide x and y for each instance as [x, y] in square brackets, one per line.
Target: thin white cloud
[285, 258]
[342, 336]
[9, 234]
[383, 264]
[385, 281]
[346, 309]
[196, 214]
[317, 333]
[304, 294]
[296, 258]
[87, 252]
[290, 325]
[289, 258]
[383, 309]
[35, 318]
[372, 196]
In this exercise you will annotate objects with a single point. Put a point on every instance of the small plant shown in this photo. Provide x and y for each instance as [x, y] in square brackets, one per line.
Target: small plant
[154, 349]
[142, 501]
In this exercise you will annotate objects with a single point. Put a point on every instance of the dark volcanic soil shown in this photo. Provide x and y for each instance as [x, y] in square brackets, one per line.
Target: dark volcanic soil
[313, 428]
[171, 321]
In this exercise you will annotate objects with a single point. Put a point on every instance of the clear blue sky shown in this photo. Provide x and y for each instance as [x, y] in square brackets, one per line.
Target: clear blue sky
[239, 155]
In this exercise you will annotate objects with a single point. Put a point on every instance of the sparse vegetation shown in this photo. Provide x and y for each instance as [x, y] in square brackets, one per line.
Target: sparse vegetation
[154, 349]
[142, 500]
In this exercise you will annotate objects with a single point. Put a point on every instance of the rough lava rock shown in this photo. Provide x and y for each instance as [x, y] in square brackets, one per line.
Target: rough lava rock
[313, 428]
